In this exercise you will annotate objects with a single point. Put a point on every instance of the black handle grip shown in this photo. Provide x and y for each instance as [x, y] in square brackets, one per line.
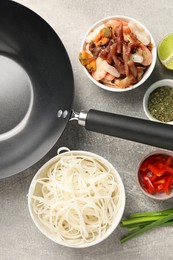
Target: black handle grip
[134, 129]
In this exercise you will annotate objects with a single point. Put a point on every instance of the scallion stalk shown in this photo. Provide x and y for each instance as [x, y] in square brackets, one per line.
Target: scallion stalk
[154, 224]
[139, 226]
[152, 213]
[131, 221]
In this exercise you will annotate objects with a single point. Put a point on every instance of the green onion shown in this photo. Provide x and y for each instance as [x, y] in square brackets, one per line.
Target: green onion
[132, 228]
[128, 222]
[138, 223]
[153, 213]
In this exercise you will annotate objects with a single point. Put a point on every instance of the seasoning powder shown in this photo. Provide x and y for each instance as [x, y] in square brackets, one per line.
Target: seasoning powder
[160, 104]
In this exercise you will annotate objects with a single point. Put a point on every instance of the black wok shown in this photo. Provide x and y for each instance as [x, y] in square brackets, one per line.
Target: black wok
[36, 95]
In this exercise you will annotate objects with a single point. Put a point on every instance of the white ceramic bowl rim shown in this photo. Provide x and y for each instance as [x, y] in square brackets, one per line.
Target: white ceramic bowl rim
[157, 84]
[117, 217]
[146, 74]
[158, 196]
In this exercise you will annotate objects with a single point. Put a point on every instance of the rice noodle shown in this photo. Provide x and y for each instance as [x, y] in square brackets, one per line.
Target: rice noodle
[77, 199]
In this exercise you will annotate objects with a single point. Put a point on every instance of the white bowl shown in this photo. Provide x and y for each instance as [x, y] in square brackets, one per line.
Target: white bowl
[157, 84]
[42, 171]
[158, 195]
[147, 72]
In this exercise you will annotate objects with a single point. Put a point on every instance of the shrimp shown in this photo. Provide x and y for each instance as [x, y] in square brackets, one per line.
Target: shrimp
[132, 68]
[110, 69]
[141, 35]
[137, 58]
[121, 83]
[126, 82]
[147, 55]
[128, 35]
[126, 29]
[140, 74]
[99, 73]
[108, 80]
[92, 35]
[103, 68]
[142, 55]
[87, 47]
[113, 24]
[109, 77]
[113, 84]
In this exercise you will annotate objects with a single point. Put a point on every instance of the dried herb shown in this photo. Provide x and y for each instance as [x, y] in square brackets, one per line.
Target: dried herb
[160, 104]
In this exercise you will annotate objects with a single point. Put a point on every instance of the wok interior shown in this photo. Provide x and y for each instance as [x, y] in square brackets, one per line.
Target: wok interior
[30, 43]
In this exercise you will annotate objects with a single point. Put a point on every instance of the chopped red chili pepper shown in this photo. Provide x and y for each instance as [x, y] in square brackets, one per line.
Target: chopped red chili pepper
[169, 169]
[159, 187]
[167, 184]
[157, 170]
[161, 181]
[156, 173]
[168, 161]
[153, 177]
[145, 163]
[147, 184]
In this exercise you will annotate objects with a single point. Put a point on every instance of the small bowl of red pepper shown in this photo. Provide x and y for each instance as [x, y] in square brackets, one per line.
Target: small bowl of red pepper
[155, 175]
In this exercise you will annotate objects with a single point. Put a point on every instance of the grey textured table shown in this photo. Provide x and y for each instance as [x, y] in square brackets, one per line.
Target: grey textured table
[19, 238]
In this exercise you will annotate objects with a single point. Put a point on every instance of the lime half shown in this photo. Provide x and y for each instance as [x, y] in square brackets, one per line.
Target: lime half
[165, 51]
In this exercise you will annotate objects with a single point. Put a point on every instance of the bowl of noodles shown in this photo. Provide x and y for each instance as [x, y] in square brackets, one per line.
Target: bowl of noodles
[118, 53]
[76, 199]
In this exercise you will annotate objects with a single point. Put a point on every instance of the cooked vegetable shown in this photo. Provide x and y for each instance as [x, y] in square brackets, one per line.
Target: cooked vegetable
[156, 174]
[138, 223]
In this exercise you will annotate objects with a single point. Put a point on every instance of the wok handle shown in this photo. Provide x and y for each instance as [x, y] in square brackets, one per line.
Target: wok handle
[134, 129]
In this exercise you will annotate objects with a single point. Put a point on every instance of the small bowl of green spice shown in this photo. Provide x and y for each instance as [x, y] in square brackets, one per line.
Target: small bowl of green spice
[158, 101]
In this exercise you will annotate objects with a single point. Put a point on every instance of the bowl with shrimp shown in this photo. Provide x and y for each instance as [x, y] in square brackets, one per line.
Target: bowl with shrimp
[118, 53]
